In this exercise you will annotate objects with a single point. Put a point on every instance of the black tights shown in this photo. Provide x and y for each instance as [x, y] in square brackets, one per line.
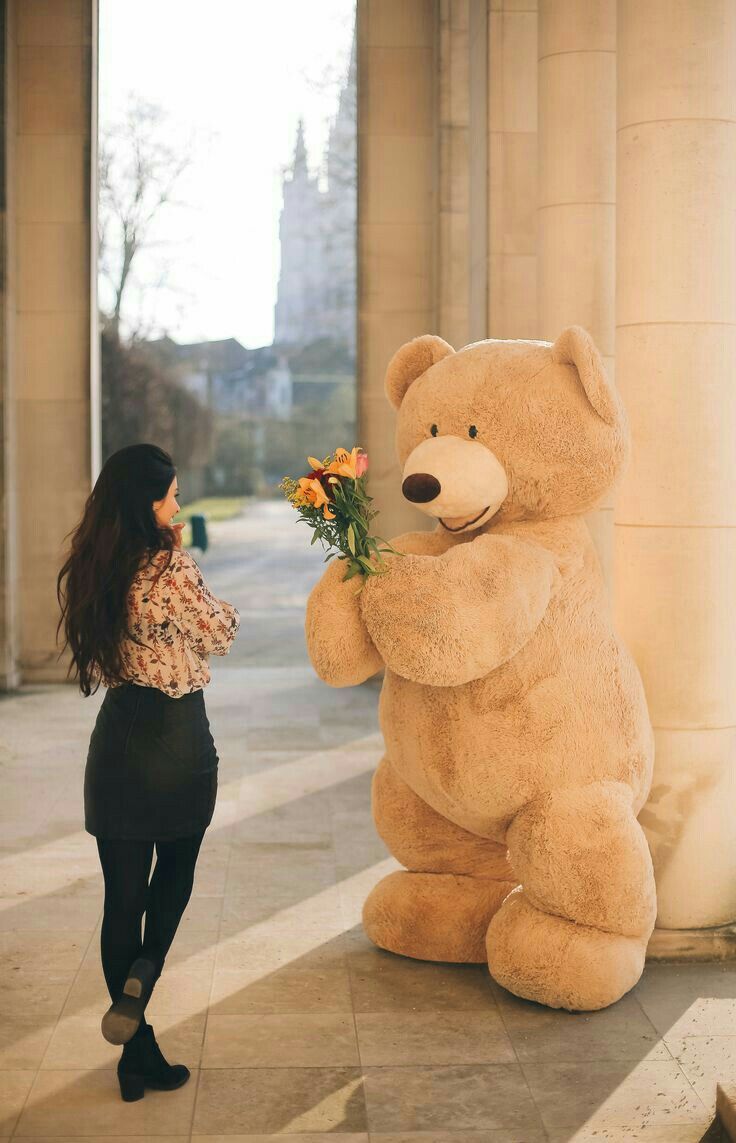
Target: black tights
[128, 894]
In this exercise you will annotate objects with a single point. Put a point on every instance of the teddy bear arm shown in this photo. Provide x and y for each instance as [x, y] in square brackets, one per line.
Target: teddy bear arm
[449, 619]
[420, 543]
[502, 587]
[338, 642]
[575, 934]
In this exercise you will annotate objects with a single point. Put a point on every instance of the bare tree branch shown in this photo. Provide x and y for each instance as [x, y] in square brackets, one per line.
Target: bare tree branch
[139, 170]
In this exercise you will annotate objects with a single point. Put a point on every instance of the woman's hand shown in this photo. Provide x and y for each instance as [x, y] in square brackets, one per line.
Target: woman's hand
[176, 531]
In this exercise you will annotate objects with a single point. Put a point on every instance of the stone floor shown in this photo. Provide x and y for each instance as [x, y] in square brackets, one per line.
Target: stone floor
[291, 1022]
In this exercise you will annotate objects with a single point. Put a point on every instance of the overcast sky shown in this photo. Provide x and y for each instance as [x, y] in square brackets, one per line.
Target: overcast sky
[239, 74]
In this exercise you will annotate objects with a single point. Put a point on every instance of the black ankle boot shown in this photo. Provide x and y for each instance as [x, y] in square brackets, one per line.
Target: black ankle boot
[143, 1065]
[122, 1018]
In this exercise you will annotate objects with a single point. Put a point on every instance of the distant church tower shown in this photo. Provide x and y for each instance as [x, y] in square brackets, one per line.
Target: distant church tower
[317, 284]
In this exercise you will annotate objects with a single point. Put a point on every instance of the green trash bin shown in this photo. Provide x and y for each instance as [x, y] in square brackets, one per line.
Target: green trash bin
[199, 532]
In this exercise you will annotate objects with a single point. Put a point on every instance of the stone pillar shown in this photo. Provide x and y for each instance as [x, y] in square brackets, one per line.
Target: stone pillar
[512, 163]
[9, 675]
[53, 311]
[454, 174]
[675, 534]
[397, 220]
[577, 177]
[462, 292]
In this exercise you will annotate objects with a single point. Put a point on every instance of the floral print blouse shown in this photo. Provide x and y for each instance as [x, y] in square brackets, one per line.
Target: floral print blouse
[181, 622]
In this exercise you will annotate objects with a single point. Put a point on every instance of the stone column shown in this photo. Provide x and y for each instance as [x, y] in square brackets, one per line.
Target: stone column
[675, 535]
[53, 309]
[9, 675]
[462, 74]
[454, 174]
[397, 220]
[512, 164]
[577, 176]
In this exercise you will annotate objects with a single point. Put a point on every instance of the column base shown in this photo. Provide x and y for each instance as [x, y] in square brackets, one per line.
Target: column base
[10, 680]
[682, 945]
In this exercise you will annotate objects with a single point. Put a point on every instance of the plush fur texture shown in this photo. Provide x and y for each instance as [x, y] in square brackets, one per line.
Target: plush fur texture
[518, 745]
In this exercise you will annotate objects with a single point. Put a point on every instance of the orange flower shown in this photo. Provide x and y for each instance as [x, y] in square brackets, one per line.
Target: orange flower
[312, 492]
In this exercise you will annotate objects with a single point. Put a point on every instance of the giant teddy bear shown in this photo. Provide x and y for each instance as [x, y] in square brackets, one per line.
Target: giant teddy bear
[518, 745]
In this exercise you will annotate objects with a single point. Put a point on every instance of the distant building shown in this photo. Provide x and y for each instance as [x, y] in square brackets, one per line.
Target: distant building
[317, 283]
[230, 379]
[312, 361]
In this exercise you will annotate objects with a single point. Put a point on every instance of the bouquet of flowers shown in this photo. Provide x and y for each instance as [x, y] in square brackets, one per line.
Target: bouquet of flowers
[332, 499]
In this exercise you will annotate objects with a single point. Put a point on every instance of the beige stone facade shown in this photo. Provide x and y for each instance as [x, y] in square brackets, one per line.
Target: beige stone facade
[501, 148]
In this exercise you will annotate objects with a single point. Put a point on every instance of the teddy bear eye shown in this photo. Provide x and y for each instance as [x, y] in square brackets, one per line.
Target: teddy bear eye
[434, 430]
[472, 431]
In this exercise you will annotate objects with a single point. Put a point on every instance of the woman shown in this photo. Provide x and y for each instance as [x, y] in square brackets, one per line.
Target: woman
[139, 618]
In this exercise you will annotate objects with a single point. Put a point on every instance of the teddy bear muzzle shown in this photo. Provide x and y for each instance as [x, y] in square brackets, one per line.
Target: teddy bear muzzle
[459, 482]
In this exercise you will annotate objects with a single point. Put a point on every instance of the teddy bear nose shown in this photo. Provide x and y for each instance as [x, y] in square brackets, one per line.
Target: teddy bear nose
[420, 487]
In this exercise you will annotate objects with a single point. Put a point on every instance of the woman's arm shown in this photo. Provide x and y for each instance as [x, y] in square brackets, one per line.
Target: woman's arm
[208, 623]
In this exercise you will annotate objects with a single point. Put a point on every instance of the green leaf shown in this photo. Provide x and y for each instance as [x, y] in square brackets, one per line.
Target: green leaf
[351, 538]
[365, 563]
[353, 569]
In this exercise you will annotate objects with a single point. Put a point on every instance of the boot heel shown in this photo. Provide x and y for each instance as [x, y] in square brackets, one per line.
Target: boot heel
[141, 978]
[122, 1018]
[132, 1086]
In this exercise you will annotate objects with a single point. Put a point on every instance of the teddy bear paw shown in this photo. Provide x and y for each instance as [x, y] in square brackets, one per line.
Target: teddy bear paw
[433, 916]
[546, 958]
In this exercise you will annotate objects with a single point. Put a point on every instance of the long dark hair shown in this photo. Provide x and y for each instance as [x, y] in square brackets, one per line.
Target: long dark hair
[117, 530]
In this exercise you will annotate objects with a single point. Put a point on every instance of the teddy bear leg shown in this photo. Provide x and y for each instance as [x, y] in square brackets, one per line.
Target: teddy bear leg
[575, 933]
[440, 907]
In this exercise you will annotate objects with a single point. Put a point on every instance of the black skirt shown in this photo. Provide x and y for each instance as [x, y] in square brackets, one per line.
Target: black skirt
[151, 770]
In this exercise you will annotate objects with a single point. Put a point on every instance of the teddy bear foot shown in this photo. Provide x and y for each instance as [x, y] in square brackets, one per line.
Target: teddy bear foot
[433, 916]
[546, 958]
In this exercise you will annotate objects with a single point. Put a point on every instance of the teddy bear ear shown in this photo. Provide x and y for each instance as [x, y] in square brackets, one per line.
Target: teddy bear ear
[409, 362]
[576, 347]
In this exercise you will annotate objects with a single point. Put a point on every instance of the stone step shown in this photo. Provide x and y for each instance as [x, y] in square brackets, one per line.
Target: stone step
[726, 1109]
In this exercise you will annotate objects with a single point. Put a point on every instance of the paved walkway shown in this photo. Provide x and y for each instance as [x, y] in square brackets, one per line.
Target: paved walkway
[292, 1023]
